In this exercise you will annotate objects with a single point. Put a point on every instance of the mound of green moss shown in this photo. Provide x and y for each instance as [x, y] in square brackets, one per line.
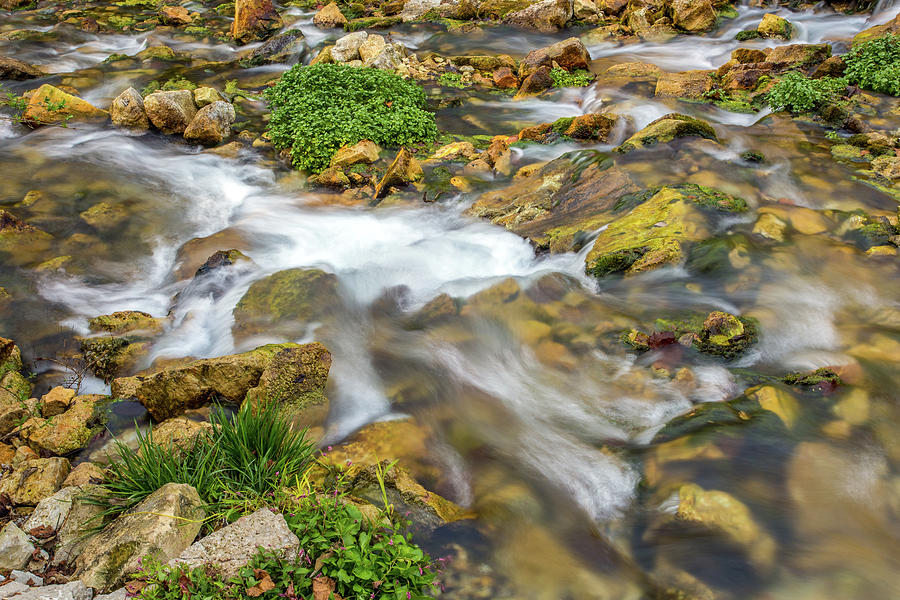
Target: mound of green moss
[319, 108]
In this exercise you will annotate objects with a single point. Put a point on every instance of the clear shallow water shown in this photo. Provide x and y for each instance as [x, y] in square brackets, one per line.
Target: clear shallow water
[547, 443]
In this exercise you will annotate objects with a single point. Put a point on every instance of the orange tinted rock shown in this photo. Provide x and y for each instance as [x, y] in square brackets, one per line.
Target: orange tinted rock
[254, 20]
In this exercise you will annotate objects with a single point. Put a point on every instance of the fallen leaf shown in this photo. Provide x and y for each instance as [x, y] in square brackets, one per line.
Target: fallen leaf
[321, 560]
[263, 585]
[41, 532]
[323, 588]
[134, 587]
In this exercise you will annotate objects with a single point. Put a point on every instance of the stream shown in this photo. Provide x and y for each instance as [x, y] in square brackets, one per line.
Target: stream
[547, 443]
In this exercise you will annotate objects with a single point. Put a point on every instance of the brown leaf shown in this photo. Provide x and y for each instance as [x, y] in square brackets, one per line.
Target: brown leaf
[323, 587]
[660, 339]
[263, 585]
[41, 532]
[134, 587]
[321, 560]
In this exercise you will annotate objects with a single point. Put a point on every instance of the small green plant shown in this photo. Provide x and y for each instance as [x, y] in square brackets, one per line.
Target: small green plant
[319, 108]
[451, 80]
[799, 94]
[875, 65]
[18, 104]
[241, 460]
[576, 78]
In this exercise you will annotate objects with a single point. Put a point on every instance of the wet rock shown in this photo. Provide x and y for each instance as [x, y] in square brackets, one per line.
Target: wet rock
[179, 432]
[666, 129]
[126, 321]
[824, 380]
[235, 545]
[634, 70]
[546, 16]
[803, 56]
[688, 84]
[332, 177]
[212, 124]
[570, 54]
[204, 96]
[17, 70]
[878, 31]
[770, 227]
[282, 48]
[49, 105]
[887, 167]
[715, 515]
[557, 205]
[748, 55]
[105, 215]
[156, 53]
[174, 390]
[171, 111]
[693, 15]
[254, 20]
[286, 302]
[34, 479]
[773, 26]
[330, 17]
[405, 169]
[365, 152]
[505, 79]
[162, 525]
[175, 15]
[536, 83]
[15, 548]
[778, 401]
[65, 433]
[347, 48]
[593, 127]
[295, 380]
[426, 510]
[830, 67]
[127, 110]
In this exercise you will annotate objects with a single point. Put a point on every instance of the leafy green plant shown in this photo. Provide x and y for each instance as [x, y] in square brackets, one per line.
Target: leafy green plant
[340, 551]
[451, 80]
[576, 78]
[241, 460]
[798, 93]
[319, 108]
[875, 65]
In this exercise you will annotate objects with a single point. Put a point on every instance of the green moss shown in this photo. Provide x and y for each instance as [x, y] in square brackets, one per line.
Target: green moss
[747, 34]
[708, 197]
[577, 78]
[104, 356]
[320, 108]
[718, 334]
[199, 31]
[371, 23]
[115, 58]
[752, 156]
[174, 83]
[120, 22]
[665, 129]
[822, 379]
[617, 261]
[453, 80]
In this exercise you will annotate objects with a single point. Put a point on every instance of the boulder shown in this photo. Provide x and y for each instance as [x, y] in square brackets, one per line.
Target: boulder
[15, 404]
[49, 105]
[78, 528]
[64, 433]
[773, 26]
[413, 10]
[693, 15]
[171, 111]
[347, 48]
[612, 7]
[254, 20]
[286, 302]
[802, 56]
[545, 16]
[175, 15]
[505, 79]
[536, 83]
[687, 84]
[179, 432]
[388, 58]
[51, 512]
[22, 242]
[127, 110]
[295, 380]
[56, 401]
[10, 357]
[173, 390]
[83, 474]
[593, 127]
[74, 590]
[330, 17]
[204, 96]
[714, 515]
[16, 70]
[126, 321]
[34, 479]
[212, 124]
[570, 54]
[365, 152]
[405, 169]
[283, 48]
[15, 548]
[878, 31]
[560, 203]
[233, 546]
[163, 525]
[666, 129]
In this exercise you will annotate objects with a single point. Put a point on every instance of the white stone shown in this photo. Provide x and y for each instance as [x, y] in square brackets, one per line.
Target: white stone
[52, 511]
[15, 548]
[74, 590]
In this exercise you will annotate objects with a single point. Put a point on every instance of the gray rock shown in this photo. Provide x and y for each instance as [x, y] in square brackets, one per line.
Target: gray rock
[170, 112]
[52, 511]
[389, 58]
[212, 124]
[11, 589]
[127, 110]
[163, 525]
[415, 9]
[74, 534]
[347, 48]
[26, 578]
[233, 546]
[74, 590]
[119, 594]
[15, 548]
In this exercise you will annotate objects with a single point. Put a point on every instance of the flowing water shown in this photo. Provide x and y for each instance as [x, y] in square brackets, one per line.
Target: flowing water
[547, 442]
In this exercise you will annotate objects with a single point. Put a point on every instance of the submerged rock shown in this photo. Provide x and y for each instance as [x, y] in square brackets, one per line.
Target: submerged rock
[666, 129]
[558, 205]
[254, 20]
[212, 124]
[171, 111]
[163, 525]
[279, 49]
[17, 70]
[718, 334]
[127, 110]
[293, 375]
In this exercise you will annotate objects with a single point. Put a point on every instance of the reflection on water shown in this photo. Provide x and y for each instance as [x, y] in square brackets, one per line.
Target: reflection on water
[541, 419]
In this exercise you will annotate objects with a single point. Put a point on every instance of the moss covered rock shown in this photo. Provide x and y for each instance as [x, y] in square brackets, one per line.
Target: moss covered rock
[126, 321]
[67, 432]
[286, 302]
[773, 26]
[49, 104]
[33, 480]
[667, 128]
[718, 334]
